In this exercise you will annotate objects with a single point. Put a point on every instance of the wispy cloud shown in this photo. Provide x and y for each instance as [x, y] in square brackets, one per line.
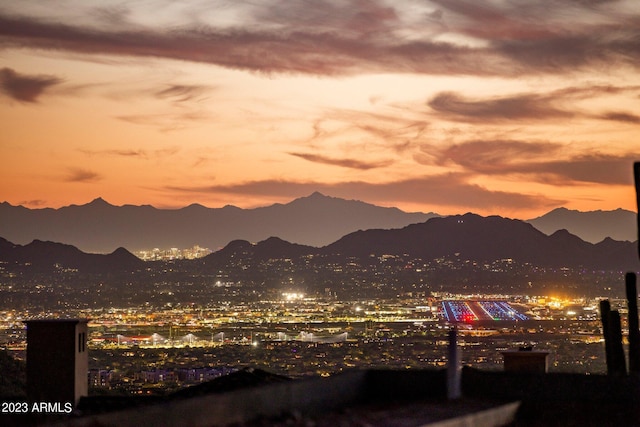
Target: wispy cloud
[166, 122]
[25, 87]
[80, 175]
[358, 135]
[181, 93]
[181, 106]
[518, 107]
[132, 153]
[347, 163]
[120, 153]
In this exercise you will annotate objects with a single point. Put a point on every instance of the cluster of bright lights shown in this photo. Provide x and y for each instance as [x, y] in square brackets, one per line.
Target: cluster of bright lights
[466, 311]
[500, 310]
[458, 311]
[292, 296]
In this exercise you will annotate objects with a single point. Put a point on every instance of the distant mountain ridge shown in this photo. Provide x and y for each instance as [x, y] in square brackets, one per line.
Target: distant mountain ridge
[315, 220]
[477, 238]
[465, 237]
[48, 256]
[592, 226]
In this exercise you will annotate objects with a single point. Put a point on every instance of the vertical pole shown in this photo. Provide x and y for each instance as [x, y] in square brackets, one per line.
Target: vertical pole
[636, 177]
[636, 373]
[634, 329]
[454, 370]
[615, 332]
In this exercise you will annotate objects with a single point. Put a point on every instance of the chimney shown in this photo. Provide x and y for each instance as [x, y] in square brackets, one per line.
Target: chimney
[57, 360]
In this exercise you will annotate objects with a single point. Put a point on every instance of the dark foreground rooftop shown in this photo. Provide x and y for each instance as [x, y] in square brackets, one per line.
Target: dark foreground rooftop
[375, 398]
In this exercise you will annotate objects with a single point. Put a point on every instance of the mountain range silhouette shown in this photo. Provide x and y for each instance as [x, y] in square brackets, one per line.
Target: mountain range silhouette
[466, 237]
[316, 220]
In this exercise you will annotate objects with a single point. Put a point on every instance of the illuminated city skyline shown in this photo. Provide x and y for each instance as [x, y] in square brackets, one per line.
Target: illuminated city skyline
[501, 108]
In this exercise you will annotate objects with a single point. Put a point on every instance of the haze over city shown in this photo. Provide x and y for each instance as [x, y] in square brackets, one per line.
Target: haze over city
[508, 108]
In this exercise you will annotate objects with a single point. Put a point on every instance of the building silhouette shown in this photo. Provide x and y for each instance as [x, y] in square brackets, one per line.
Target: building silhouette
[57, 360]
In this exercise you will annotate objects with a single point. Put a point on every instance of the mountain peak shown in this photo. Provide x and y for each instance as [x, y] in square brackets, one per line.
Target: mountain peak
[314, 199]
[562, 209]
[563, 233]
[99, 201]
[121, 251]
[316, 195]
[195, 206]
[273, 240]
[591, 226]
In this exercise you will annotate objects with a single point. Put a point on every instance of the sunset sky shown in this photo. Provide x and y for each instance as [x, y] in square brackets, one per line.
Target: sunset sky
[495, 107]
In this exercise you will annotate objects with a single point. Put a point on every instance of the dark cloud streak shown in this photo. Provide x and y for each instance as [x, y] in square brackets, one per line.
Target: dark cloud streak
[447, 190]
[349, 39]
[347, 163]
[495, 156]
[258, 50]
[593, 168]
[537, 160]
[25, 88]
[80, 175]
[519, 107]
[166, 122]
[181, 93]
[620, 116]
[527, 106]
[571, 52]
[132, 153]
